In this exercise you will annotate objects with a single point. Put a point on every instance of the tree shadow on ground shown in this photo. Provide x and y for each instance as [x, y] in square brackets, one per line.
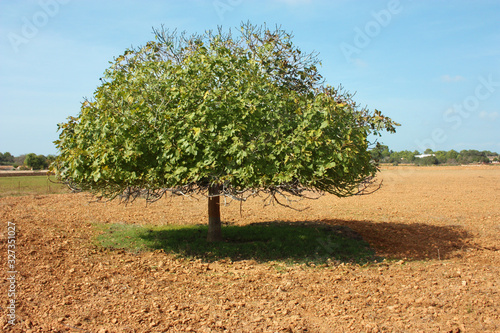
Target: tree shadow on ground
[292, 242]
[416, 241]
[302, 241]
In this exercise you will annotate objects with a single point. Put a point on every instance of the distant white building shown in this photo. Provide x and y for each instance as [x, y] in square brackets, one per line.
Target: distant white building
[494, 159]
[424, 155]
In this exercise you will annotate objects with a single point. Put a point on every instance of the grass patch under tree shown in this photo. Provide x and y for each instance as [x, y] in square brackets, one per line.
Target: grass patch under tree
[281, 241]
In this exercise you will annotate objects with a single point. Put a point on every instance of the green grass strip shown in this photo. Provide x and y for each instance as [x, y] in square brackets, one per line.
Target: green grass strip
[30, 185]
[277, 241]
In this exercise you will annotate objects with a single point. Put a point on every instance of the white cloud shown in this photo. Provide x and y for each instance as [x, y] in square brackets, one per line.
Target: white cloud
[448, 78]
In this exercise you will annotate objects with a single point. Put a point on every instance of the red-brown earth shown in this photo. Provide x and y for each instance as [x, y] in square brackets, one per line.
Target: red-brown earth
[438, 226]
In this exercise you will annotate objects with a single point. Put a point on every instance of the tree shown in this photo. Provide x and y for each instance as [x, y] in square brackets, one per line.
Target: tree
[381, 153]
[441, 156]
[50, 159]
[36, 162]
[6, 158]
[428, 160]
[472, 156]
[451, 156]
[408, 156]
[221, 116]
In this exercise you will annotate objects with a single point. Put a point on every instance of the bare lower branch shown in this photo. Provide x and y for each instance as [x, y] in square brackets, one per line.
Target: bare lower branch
[284, 194]
[369, 186]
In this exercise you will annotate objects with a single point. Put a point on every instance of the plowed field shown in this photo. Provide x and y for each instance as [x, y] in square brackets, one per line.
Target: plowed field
[438, 227]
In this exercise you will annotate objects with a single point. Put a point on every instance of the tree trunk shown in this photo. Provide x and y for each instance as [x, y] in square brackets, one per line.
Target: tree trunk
[214, 223]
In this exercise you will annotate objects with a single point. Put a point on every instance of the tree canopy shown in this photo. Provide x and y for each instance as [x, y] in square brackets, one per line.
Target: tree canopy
[36, 162]
[247, 113]
[6, 158]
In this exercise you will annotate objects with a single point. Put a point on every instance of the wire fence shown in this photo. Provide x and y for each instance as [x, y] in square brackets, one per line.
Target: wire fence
[30, 185]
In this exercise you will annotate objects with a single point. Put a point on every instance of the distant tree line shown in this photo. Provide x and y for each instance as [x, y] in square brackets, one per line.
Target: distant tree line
[383, 154]
[6, 159]
[28, 161]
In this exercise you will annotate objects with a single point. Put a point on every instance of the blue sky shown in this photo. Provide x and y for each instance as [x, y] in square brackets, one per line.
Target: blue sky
[433, 66]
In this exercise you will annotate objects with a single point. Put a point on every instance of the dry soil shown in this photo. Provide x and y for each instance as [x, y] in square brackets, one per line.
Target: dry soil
[439, 227]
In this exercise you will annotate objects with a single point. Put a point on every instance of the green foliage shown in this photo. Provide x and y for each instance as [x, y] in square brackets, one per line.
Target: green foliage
[275, 241]
[440, 157]
[428, 160]
[451, 155]
[249, 113]
[407, 156]
[39, 161]
[382, 154]
[473, 156]
[50, 159]
[36, 162]
[6, 158]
